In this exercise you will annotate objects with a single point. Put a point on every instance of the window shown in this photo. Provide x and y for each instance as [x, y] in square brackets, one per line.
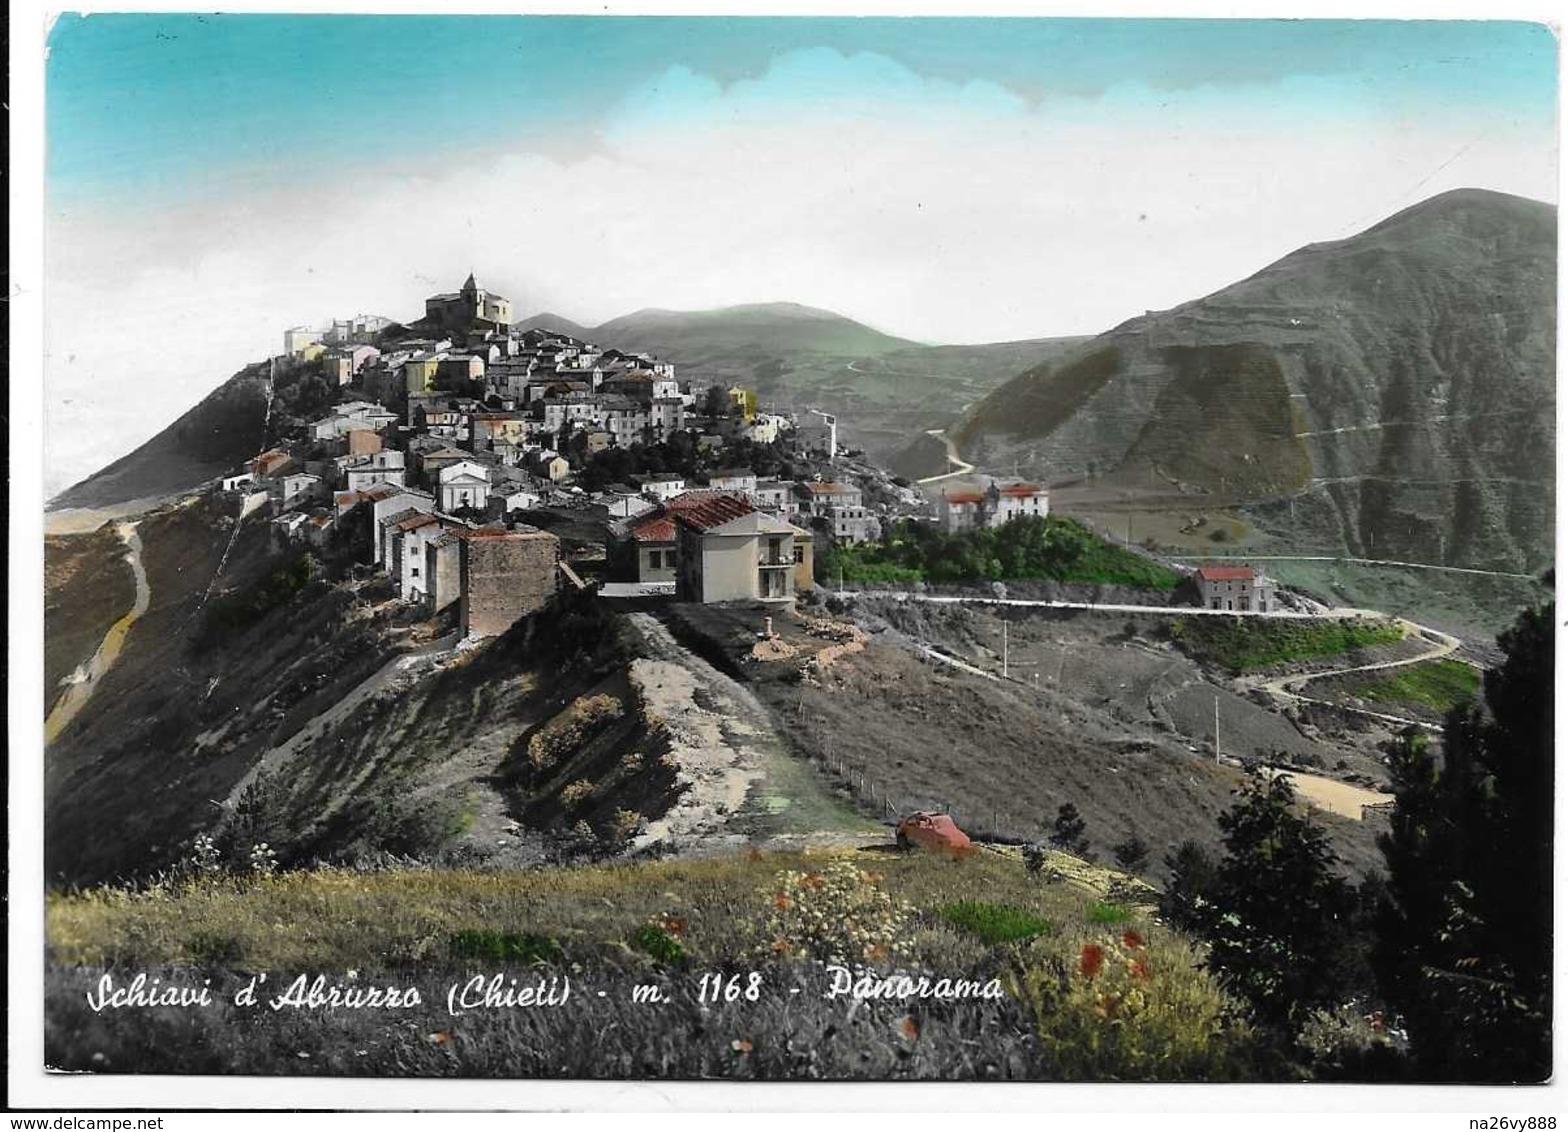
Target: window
[800, 555]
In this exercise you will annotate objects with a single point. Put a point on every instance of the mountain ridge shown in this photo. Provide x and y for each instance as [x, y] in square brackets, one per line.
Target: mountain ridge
[1383, 393]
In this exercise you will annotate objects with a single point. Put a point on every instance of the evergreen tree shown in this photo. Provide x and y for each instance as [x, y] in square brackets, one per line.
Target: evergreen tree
[1067, 833]
[1280, 913]
[1464, 933]
[1189, 892]
[1131, 854]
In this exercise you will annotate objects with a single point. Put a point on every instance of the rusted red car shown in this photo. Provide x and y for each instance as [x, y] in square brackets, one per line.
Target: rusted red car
[938, 832]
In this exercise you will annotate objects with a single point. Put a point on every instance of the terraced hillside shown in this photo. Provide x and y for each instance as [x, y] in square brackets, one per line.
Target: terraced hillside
[1388, 394]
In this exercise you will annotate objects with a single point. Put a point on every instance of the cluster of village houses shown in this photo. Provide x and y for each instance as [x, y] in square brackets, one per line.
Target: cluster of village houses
[485, 436]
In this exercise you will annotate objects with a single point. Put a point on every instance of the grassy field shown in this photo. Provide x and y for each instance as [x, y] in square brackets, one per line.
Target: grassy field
[1077, 994]
[1436, 686]
[1246, 644]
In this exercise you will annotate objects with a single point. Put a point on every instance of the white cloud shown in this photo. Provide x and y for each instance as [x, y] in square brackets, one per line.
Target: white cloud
[939, 211]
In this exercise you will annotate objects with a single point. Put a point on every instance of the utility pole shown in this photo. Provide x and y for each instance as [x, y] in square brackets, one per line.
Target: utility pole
[1216, 730]
[1004, 650]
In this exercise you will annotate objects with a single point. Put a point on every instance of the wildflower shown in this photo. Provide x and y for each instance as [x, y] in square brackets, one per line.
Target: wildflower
[1139, 970]
[1090, 960]
[1132, 940]
[741, 1046]
[440, 1037]
[781, 901]
[909, 1027]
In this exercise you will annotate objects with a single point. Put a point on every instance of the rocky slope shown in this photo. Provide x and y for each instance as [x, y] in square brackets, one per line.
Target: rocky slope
[1390, 394]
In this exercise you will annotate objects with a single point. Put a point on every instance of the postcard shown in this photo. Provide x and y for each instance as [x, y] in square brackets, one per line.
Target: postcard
[761, 548]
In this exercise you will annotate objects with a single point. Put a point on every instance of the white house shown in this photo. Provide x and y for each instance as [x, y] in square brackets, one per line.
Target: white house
[734, 479]
[514, 497]
[777, 497]
[1235, 588]
[664, 486]
[464, 484]
[389, 501]
[300, 487]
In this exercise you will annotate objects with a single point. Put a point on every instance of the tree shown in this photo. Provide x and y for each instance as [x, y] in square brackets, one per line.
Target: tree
[1067, 833]
[1464, 933]
[1131, 854]
[1189, 892]
[1279, 913]
[716, 402]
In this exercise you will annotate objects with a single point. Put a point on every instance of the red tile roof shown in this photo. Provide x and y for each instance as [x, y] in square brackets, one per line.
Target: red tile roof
[658, 528]
[689, 499]
[714, 512]
[1225, 573]
[963, 496]
[829, 488]
[1024, 490]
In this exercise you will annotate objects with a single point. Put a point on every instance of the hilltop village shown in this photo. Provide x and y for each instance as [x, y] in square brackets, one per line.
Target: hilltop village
[483, 467]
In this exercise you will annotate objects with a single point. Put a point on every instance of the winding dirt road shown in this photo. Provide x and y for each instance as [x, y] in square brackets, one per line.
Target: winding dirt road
[84, 681]
[961, 467]
[1285, 687]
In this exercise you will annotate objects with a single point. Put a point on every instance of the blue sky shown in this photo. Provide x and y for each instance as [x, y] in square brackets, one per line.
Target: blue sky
[948, 180]
[153, 101]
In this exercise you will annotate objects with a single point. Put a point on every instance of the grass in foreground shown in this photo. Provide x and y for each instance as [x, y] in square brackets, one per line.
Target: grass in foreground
[1075, 998]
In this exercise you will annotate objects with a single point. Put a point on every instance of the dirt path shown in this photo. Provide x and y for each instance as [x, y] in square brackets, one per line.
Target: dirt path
[961, 467]
[1286, 687]
[1332, 795]
[397, 670]
[84, 681]
[723, 741]
[1356, 562]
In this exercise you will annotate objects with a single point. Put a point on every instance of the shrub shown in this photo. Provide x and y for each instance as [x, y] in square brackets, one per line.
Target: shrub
[995, 923]
[659, 939]
[1118, 1009]
[1104, 912]
[214, 949]
[505, 947]
[624, 825]
[838, 914]
[576, 793]
[563, 735]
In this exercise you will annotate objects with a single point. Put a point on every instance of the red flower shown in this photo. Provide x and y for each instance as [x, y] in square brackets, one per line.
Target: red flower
[1090, 960]
[1140, 970]
[1132, 940]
